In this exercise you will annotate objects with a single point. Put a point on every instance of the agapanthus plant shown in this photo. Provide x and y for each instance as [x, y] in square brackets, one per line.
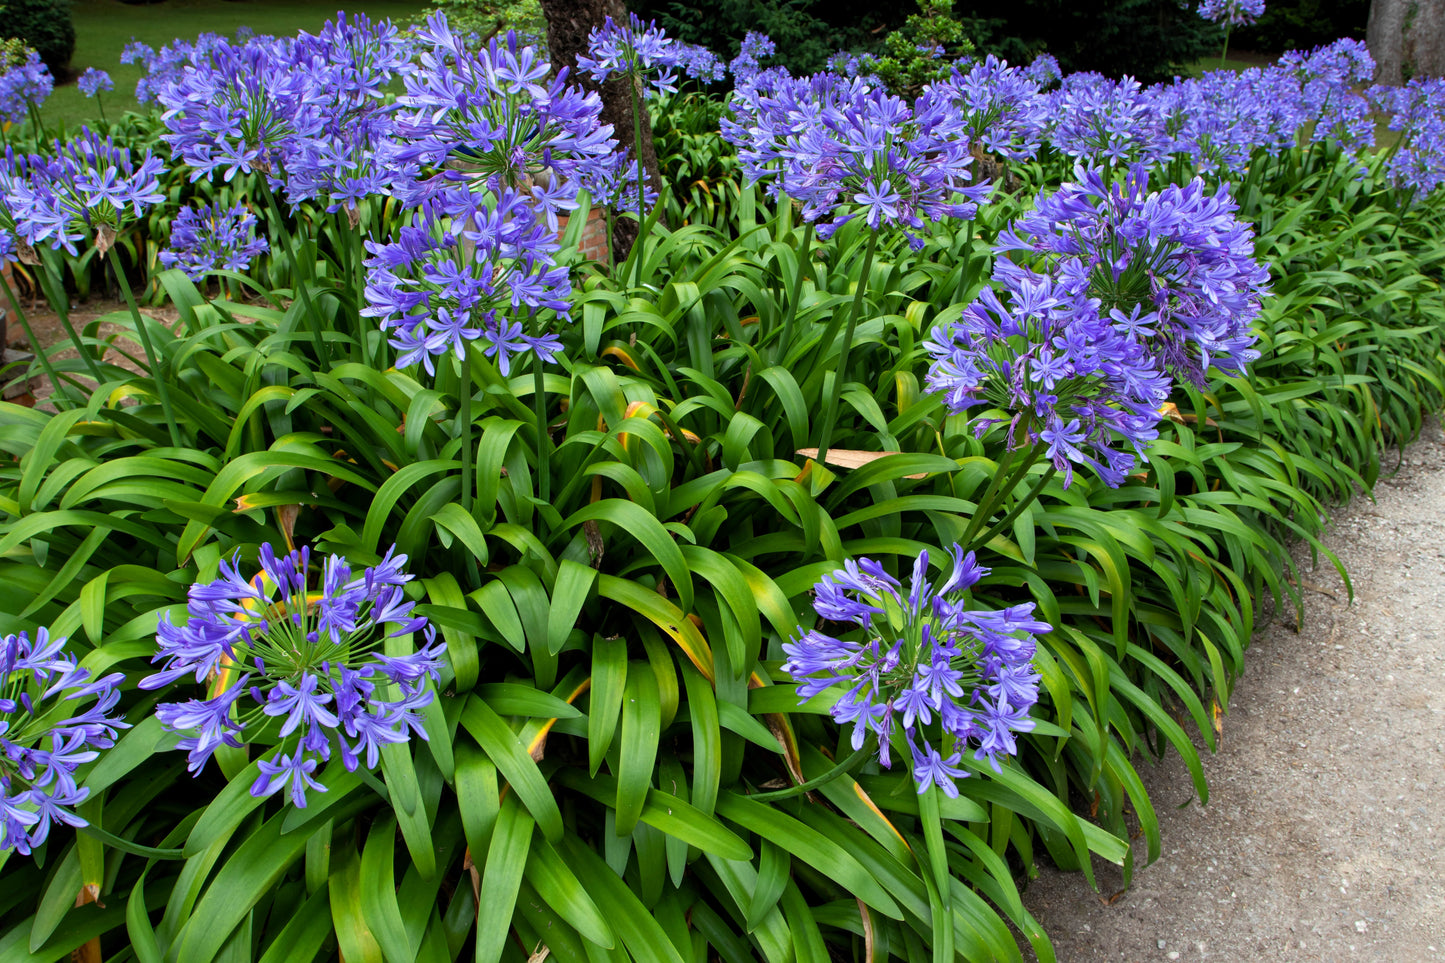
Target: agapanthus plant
[471, 266]
[1416, 164]
[1003, 105]
[299, 665]
[210, 238]
[847, 150]
[951, 681]
[53, 719]
[1096, 117]
[1173, 267]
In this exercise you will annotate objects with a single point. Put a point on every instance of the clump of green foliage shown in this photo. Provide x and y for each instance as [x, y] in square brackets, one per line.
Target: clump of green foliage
[44, 25]
[922, 51]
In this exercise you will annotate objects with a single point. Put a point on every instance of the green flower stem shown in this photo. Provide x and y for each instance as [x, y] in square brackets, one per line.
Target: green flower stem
[830, 415]
[805, 254]
[1011, 470]
[1017, 510]
[544, 439]
[126, 846]
[847, 765]
[464, 430]
[632, 83]
[965, 269]
[159, 372]
[1224, 52]
[58, 393]
[298, 278]
[55, 294]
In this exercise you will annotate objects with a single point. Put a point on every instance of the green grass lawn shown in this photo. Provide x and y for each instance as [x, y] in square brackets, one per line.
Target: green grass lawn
[103, 27]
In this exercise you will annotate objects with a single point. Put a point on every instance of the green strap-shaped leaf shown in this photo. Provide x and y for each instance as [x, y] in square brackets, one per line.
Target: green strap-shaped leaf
[251, 871]
[501, 878]
[649, 532]
[641, 731]
[810, 846]
[559, 887]
[504, 749]
[378, 893]
[569, 593]
[645, 940]
[667, 813]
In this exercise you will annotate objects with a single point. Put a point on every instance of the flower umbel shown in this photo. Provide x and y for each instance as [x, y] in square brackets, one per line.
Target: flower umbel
[209, 238]
[954, 678]
[45, 735]
[303, 666]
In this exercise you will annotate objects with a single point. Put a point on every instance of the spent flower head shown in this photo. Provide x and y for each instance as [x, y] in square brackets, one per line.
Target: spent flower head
[952, 678]
[299, 665]
[53, 718]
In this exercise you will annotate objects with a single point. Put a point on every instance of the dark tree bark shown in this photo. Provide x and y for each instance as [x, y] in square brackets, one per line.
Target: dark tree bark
[568, 24]
[1407, 39]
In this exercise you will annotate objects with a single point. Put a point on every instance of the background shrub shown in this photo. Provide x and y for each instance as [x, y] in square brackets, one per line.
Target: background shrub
[44, 25]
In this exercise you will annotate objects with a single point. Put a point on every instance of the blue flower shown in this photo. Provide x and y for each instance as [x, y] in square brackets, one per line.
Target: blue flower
[277, 650]
[210, 238]
[45, 736]
[947, 674]
[22, 84]
[457, 273]
[94, 81]
[1235, 13]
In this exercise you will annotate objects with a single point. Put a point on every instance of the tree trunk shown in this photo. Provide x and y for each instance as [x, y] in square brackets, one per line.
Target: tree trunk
[1407, 39]
[568, 24]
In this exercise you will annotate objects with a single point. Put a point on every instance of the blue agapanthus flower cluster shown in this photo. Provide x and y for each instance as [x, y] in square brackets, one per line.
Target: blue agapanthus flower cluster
[1234, 13]
[466, 268]
[635, 49]
[1417, 111]
[308, 112]
[93, 82]
[1173, 267]
[1098, 117]
[84, 191]
[1004, 108]
[345, 155]
[846, 150]
[957, 681]
[755, 48]
[495, 114]
[22, 84]
[213, 237]
[165, 66]
[298, 664]
[1054, 364]
[53, 718]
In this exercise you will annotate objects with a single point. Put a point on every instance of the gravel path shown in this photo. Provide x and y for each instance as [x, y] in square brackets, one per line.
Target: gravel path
[1322, 838]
